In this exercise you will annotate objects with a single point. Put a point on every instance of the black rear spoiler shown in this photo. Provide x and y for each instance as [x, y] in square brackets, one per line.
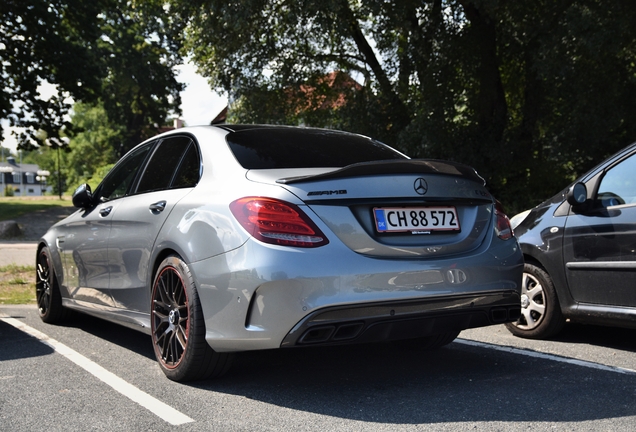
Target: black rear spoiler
[393, 167]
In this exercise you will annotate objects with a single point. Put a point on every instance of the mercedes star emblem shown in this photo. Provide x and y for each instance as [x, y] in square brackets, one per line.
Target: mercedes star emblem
[420, 185]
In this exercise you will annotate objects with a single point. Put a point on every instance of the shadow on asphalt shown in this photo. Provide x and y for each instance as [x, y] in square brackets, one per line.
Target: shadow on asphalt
[457, 383]
[15, 344]
[129, 339]
[608, 337]
[391, 384]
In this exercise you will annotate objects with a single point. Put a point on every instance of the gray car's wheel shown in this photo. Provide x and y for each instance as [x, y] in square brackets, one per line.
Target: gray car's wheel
[178, 328]
[541, 315]
[47, 291]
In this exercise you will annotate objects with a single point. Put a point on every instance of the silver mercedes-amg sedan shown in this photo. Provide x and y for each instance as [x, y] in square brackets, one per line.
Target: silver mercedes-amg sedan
[220, 239]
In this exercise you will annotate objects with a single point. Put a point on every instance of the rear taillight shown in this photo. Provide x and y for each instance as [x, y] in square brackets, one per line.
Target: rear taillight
[277, 222]
[502, 223]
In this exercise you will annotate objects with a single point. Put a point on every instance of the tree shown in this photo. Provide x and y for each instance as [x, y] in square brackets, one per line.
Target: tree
[113, 51]
[92, 148]
[531, 93]
[88, 154]
[140, 90]
[47, 41]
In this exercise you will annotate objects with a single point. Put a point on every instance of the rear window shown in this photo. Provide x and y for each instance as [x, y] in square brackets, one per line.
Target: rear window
[304, 148]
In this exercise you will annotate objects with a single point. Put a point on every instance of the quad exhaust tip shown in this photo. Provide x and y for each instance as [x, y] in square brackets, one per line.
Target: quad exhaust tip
[331, 333]
[348, 331]
[502, 315]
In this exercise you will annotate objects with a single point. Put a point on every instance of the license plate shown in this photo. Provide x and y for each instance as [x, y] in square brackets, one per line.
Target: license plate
[415, 219]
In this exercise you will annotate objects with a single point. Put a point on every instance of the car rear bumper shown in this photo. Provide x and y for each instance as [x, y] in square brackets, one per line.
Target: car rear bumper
[403, 320]
[291, 298]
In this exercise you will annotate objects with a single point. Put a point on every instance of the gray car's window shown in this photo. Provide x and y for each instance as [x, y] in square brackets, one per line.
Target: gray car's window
[118, 181]
[304, 148]
[618, 185]
[189, 169]
[164, 163]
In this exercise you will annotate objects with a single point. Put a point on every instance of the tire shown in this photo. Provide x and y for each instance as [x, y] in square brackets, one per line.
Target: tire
[541, 315]
[178, 327]
[47, 290]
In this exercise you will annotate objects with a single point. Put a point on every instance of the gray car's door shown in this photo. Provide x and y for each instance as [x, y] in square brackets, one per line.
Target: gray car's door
[171, 173]
[83, 247]
[84, 240]
[600, 245]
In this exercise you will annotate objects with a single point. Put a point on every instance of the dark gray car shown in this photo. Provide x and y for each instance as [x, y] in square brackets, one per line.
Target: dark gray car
[580, 252]
[221, 239]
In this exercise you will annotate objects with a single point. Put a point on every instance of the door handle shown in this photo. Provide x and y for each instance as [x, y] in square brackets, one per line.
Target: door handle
[158, 206]
[105, 211]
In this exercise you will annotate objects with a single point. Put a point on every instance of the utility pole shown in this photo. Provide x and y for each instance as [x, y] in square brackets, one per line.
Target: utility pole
[21, 174]
[59, 175]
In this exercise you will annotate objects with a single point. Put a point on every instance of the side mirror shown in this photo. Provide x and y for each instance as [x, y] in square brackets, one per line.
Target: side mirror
[83, 196]
[577, 194]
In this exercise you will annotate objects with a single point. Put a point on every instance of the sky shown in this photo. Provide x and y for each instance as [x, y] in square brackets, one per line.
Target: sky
[198, 103]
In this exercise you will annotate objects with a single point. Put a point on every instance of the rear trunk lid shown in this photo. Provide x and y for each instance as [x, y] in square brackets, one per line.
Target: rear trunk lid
[400, 208]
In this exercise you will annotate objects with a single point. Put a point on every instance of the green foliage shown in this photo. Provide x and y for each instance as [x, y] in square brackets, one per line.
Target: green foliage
[530, 93]
[50, 41]
[99, 175]
[8, 191]
[88, 156]
[92, 148]
[114, 51]
[140, 90]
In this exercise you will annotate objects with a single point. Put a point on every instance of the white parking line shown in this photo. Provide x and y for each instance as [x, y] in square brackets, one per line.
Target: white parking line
[544, 356]
[153, 405]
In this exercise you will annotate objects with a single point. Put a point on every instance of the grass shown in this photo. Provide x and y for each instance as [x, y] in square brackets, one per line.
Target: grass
[17, 284]
[13, 207]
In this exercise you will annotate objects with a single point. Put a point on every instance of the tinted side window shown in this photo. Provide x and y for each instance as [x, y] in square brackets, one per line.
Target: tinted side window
[164, 162]
[119, 179]
[189, 169]
[618, 185]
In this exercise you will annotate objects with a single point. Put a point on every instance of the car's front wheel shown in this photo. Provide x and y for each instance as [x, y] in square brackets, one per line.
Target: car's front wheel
[541, 315]
[47, 291]
[178, 328]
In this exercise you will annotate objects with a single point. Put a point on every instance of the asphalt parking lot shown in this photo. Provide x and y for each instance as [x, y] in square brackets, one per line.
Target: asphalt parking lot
[91, 375]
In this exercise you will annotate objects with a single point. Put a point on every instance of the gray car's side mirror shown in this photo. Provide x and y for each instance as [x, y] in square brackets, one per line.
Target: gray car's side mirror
[577, 194]
[83, 196]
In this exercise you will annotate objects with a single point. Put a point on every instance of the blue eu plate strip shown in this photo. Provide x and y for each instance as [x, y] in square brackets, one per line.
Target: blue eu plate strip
[379, 220]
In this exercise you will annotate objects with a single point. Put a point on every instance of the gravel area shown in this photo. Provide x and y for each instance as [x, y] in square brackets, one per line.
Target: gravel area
[34, 225]
[21, 250]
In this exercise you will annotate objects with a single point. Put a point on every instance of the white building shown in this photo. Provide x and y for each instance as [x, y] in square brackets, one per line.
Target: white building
[24, 179]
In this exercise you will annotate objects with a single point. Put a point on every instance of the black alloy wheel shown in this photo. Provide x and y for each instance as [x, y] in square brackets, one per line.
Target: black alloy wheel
[47, 292]
[178, 328]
